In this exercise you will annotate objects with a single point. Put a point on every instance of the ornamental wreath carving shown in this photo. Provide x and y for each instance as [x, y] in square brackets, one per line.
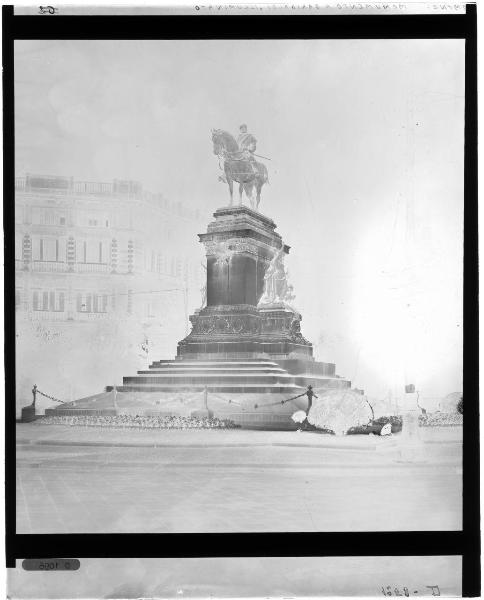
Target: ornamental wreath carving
[218, 324]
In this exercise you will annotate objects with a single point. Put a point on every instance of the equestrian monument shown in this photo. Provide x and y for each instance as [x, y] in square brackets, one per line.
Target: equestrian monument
[246, 354]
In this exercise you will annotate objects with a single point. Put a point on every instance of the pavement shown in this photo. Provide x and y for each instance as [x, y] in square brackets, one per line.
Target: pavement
[284, 577]
[82, 480]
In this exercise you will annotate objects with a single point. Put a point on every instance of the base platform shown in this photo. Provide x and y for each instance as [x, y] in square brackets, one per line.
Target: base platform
[256, 375]
[250, 392]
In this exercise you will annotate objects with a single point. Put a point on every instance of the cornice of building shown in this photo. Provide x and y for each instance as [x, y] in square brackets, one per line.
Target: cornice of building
[70, 191]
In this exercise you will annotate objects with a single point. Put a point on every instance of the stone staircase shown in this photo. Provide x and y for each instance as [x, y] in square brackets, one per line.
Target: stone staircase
[258, 375]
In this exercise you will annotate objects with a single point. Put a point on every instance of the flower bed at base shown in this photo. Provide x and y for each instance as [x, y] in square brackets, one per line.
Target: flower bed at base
[441, 419]
[137, 422]
[437, 419]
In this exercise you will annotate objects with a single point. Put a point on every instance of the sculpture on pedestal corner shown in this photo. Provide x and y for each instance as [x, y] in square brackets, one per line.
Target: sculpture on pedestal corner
[239, 164]
[276, 288]
[203, 289]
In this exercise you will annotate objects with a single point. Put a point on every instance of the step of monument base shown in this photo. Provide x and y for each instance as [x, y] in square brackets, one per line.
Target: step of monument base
[293, 365]
[193, 370]
[224, 388]
[207, 379]
[236, 376]
[210, 360]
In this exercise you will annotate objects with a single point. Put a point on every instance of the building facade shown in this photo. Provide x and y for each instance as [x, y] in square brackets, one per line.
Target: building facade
[104, 271]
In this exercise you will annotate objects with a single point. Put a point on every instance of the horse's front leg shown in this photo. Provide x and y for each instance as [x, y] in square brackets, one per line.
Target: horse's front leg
[231, 190]
[258, 197]
[247, 190]
[241, 189]
[251, 195]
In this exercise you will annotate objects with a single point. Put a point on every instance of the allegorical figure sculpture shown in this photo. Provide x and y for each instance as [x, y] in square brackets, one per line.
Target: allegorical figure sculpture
[239, 164]
[203, 289]
[276, 288]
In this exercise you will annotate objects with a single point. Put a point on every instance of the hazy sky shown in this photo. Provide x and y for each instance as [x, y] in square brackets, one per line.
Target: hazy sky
[366, 173]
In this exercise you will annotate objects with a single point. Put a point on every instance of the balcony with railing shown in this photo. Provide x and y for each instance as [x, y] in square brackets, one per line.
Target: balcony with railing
[92, 268]
[90, 316]
[92, 187]
[42, 266]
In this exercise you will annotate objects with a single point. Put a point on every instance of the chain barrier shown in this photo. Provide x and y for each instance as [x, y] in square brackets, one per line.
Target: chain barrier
[37, 391]
[228, 400]
[256, 406]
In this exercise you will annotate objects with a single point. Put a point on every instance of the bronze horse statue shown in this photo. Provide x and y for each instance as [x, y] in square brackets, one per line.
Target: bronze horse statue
[249, 174]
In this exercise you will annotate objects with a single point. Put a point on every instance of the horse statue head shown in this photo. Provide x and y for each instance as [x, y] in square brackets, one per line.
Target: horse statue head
[223, 142]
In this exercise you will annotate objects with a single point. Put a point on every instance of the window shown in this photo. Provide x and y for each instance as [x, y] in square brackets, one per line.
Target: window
[159, 263]
[179, 267]
[150, 309]
[92, 251]
[49, 249]
[48, 216]
[81, 251]
[94, 219]
[92, 302]
[52, 300]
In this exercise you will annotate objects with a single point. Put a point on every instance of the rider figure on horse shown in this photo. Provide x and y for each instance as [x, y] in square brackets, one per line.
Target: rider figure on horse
[248, 145]
[239, 164]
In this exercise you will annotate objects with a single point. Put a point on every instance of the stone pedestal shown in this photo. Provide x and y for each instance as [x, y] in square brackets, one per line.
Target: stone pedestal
[240, 244]
[28, 414]
[238, 343]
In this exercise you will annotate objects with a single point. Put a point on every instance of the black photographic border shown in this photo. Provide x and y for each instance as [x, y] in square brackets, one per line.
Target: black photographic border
[199, 26]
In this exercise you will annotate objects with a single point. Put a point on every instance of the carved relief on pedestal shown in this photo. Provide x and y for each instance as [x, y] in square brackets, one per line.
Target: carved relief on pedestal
[220, 250]
[225, 324]
[238, 325]
[283, 324]
[224, 249]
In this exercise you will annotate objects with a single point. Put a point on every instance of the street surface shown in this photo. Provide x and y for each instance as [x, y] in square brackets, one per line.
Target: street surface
[232, 481]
